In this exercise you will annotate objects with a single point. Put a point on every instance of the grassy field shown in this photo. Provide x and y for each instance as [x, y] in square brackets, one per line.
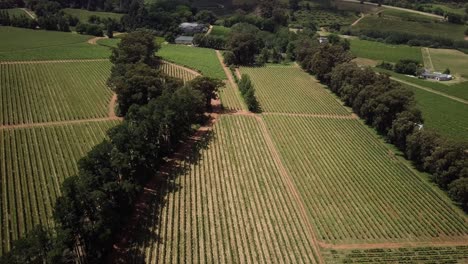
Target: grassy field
[389, 23]
[451, 9]
[27, 44]
[446, 116]
[358, 190]
[290, 90]
[83, 15]
[15, 12]
[201, 59]
[230, 207]
[384, 52]
[455, 60]
[45, 92]
[33, 163]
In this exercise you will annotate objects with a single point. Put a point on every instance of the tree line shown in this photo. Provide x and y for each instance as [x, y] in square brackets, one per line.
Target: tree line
[390, 108]
[159, 112]
[247, 91]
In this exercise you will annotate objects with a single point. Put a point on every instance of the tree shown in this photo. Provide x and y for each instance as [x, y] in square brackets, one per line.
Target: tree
[138, 46]
[407, 66]
[458, 191]
[244, 47]
[264, 56]
[327, 57]
[294, 5]
[403, 126]
[205, 16]
[209, 87]
[447, 71]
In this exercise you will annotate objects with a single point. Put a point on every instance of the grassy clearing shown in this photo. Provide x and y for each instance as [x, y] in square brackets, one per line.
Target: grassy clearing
[459, 90]
[17, 39]
[33, 163]
[389, 24]
[290, 90]
[15, 12]
[422, 255]
[201, 59]
[43, 92]
[446, 116]
[27, 44]
[356, 189]
[455, 60]
[232, 206]
[384, 52]
[83, 15]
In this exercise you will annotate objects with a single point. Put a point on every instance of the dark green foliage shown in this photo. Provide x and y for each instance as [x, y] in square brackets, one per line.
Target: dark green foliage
[205, 16]
[89, 29]
[244, 43]
[455, 18]
[209, 87]
[325, 59]
[407, 66]
[209, 41]
[248, 93]
[386, 66]
[458, 190]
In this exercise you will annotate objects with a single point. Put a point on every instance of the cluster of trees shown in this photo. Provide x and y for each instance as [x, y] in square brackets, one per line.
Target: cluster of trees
[408, 66]
[209, 41]
[22, 21]
[390, 109]
[248, 93]
[392, 37]
[159, 111]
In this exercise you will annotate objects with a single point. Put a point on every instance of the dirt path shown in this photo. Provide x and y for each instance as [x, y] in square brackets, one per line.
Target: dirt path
[461, 242]
[209, 30]
[29, 13]
[431, 91]
[93, 41]
[399, 8]
[359, 19]
[226, 69]
[112, 105]
[58, 123]
[50, 61]
[427, 59]
[352, 116]
[292, 188]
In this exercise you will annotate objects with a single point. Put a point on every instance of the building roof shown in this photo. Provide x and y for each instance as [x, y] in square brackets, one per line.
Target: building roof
[190, 25]
[184, 38]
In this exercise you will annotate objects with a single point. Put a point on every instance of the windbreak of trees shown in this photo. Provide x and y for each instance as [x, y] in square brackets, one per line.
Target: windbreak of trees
[248, 93]
[21, 21]
[159, 112]
[390, 109]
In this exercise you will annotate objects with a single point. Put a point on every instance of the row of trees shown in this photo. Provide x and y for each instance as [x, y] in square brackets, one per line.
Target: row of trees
[390, 109]
[248, 93]
[21, 21]
[159, 111]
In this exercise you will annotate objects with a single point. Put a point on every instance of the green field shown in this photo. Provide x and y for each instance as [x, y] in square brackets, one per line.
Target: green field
[444, 115]
[451, 9]
[390, 24]
[15, 12]
[201, 59]
[288, 89]
[355, 188]
[231, 207]
[20, 44]
[231, 98]
[33, 163]
[455, 60]
[43, 92]
[220, 31]
[83, 15]
[384, 52]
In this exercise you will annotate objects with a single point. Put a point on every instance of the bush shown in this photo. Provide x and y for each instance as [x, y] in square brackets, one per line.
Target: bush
[89, 29]
[248, 93]
[407, 67]
[386, 66]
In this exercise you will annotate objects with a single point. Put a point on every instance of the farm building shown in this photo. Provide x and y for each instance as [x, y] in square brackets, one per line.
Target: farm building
[193, 28]
[323, 40]
[436, 76]
[186, 40]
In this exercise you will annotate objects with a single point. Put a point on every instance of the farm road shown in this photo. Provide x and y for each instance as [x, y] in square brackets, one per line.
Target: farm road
[29, 13]
[430, 90]
[399, 8]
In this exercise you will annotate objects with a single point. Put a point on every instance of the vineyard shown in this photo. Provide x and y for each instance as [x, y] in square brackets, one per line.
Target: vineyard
[33, 163]
[177, 71]
[44, 92]
[230, 207]
[230, 98]
[290, 90]
[356, 189]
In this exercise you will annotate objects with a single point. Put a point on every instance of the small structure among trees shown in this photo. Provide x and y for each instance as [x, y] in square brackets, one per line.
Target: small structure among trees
[438, 76]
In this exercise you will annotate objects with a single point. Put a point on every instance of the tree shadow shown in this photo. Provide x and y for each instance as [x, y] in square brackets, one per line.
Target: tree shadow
[143, 227]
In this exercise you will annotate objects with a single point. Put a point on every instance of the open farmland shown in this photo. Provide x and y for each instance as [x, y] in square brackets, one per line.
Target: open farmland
[177, 71]
[54, 91]
[454, 60]
[231, 98]
[232, 206]
[83, 15]
[446, 116]
[33, 164]
[201, 59]
[356, 189]
[19, 44]
[384, 52]
[288, 89]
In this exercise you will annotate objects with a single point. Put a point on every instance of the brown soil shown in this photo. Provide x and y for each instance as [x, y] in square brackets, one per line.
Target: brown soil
[226, 69]
[51, 61]
[357, 21]
[93, 41]
[112, 104]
